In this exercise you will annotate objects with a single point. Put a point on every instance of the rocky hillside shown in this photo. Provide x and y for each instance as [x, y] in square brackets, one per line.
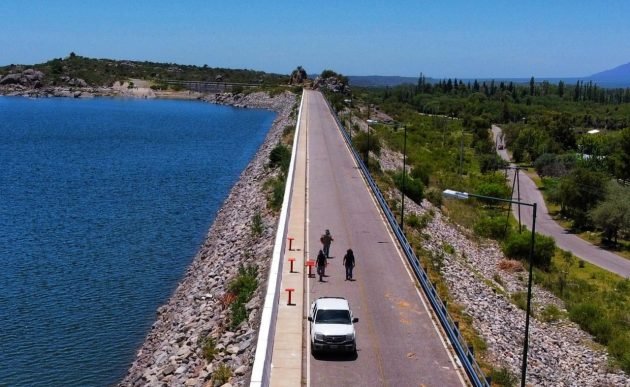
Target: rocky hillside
[75, 70]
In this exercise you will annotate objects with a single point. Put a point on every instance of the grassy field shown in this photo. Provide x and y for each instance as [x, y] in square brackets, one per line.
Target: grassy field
[597, 300]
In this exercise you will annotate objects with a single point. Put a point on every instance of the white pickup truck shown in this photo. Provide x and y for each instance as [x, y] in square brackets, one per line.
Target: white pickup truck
[332, 325]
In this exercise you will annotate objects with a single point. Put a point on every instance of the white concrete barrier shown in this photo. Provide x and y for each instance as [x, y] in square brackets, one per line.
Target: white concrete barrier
[264, 346]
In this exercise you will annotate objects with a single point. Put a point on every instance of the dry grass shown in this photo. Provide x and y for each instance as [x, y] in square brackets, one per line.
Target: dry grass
[510, 265]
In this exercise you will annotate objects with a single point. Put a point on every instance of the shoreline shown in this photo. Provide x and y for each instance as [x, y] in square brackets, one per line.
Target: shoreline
[171, 352]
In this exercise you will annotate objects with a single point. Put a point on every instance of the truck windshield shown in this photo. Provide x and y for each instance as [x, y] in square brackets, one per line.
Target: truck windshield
[332, 316]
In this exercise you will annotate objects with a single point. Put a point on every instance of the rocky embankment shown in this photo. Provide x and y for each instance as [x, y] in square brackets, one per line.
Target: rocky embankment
[30, 83]
[481, 279]
[172, 352]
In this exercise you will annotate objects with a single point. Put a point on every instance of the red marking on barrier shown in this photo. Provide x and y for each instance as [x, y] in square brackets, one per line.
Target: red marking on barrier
[290, 290]
[291, 243]
[310, 263]
[291, 260]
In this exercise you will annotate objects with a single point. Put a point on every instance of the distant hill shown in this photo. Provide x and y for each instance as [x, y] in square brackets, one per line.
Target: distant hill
[104, 72]
[613, 78]
[618, 76]
[380, 80]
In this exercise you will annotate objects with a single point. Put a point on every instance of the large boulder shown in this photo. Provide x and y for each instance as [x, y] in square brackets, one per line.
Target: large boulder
[10, 79]
[334, 84]
[29, 78]
[77, 82]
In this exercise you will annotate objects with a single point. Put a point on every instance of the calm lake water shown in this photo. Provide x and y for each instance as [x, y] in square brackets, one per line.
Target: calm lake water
[103, 205]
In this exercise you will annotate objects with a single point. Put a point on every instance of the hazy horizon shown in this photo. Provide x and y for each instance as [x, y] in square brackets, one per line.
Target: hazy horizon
[455, 39]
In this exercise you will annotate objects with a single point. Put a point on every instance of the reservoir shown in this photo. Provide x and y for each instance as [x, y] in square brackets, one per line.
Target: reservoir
[103, 205]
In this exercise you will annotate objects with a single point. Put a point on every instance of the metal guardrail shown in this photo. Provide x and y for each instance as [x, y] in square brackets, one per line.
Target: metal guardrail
[464, 352]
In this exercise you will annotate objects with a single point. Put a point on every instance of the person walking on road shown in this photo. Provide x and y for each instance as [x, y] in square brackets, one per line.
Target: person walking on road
[321, 263]
[326, 240]
[348, 262]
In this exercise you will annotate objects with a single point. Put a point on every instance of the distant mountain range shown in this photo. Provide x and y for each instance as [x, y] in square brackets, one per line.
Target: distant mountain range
[620, 75]
[616, 77]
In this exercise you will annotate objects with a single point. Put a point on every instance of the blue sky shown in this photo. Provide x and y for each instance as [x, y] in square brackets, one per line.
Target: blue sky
[463, 39]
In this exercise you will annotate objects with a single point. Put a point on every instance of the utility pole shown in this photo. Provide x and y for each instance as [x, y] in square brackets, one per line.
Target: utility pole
[367, 151]
[402, 192]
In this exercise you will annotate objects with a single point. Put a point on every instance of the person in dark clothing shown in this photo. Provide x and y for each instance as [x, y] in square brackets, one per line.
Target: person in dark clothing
[348, 262]
[326, 240]
[321, 263]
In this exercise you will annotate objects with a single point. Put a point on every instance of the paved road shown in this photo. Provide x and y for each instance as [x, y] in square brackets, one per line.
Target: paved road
[547, 226]
[398, 343]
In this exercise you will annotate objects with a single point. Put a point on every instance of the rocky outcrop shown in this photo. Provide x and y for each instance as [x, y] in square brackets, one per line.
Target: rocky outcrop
[28, 78]
[172, 352]
[298, 76]
[333, 84]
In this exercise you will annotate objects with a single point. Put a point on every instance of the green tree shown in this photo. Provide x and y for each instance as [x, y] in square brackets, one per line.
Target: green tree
[581, 191]
[612, 214]
[561, 89]
[621, 155]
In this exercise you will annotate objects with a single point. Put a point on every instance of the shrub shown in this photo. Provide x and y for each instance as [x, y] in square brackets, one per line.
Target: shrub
[287, 129]
[239, 314]
[497, 190]
[421, 171]
[520, 299]
[360, 142]
[257, 224]
[275, 196]
[413, 188]
[434, 196]
[550, 313]
[280, 156]
[491, 226]
[517, 245]
[448, 248]
[412, 220]
[245, 282]
[243, 286]
[503, 377]
[222, 374]
[419, 222]
[208, 347]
